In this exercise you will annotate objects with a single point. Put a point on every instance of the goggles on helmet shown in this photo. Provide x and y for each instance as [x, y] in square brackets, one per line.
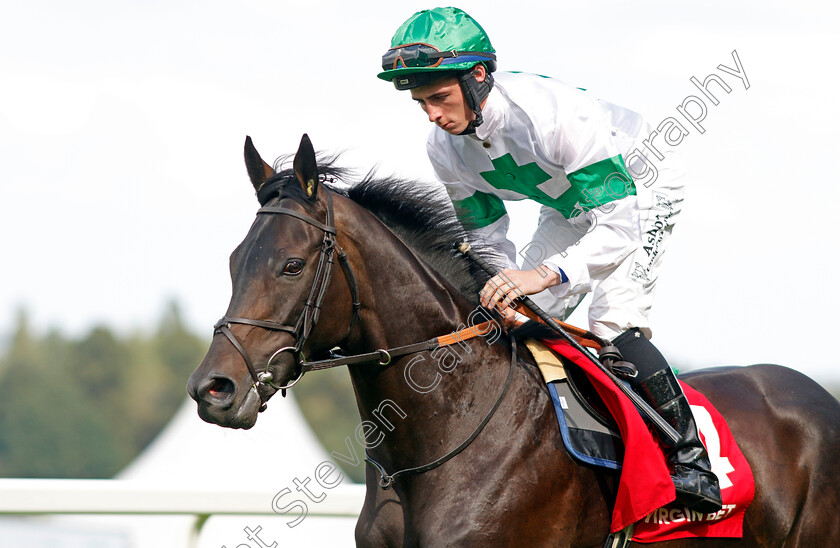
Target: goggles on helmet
[426, 56]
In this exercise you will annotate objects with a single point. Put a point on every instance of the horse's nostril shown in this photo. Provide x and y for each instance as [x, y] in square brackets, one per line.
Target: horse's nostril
[221, 388]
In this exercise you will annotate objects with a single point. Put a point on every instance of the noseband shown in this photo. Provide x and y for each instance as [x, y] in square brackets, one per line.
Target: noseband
[308, 318]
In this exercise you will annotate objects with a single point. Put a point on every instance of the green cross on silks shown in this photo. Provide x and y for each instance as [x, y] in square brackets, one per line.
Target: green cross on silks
[588, 185]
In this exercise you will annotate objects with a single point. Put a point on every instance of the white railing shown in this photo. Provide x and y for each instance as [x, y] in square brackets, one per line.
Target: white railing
[50, 496]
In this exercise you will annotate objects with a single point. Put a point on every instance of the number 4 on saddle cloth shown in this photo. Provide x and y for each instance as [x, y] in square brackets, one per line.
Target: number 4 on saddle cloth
[594, 419]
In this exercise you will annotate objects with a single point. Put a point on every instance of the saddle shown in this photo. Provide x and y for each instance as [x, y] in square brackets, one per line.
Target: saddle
[592, 437]
[589, 432]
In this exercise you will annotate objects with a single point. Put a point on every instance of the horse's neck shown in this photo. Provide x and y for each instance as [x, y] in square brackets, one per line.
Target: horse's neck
[403, 299]
[425, 396]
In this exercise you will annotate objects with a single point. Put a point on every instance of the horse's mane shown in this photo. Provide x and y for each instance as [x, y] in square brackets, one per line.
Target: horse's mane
[420, 214]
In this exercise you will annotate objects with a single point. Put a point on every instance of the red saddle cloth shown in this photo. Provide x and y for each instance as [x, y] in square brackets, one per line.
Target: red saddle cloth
[645, 493]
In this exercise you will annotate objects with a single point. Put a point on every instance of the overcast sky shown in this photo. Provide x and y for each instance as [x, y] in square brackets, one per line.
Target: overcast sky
[122, 183]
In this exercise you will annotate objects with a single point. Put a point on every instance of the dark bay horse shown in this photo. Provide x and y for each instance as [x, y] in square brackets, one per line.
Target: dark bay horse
[514, 485]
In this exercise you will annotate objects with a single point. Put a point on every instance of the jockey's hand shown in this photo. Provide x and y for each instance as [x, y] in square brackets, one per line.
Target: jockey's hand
[502, 289]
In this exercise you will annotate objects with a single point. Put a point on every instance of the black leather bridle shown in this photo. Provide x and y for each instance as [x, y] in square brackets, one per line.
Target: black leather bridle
[308, 318]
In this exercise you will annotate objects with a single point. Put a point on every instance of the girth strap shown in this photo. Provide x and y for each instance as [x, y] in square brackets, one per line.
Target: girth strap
[620, 539]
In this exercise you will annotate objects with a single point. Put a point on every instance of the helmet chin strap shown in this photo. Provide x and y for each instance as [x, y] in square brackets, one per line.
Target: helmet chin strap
[475, 93]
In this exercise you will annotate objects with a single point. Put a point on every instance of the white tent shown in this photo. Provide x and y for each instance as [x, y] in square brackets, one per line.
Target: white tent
[279, 452]
[189, 449]
[276, 451]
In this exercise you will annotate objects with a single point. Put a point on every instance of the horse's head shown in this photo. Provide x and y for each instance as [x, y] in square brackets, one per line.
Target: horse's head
[281, 273]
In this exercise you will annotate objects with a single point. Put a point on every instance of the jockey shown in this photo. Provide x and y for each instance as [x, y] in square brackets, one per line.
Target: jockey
[516, 136]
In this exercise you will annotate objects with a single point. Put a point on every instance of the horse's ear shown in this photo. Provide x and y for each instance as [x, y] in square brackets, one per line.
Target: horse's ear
[306, 168]
[258, 170]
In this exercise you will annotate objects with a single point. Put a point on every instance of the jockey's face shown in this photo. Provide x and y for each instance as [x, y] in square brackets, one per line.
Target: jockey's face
[443, 101]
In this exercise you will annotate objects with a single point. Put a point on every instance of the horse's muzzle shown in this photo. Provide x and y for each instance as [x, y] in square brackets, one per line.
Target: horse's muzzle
[218, 402]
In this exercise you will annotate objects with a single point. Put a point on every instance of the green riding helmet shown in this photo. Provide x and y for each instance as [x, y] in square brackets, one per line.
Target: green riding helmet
[432, 43]
[438, 43]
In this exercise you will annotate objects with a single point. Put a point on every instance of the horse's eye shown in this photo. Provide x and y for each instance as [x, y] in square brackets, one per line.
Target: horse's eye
[293, 267]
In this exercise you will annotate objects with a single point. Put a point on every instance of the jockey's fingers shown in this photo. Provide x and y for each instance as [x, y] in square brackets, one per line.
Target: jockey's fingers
[493, 286]
[509, 316]
[509, 299]
[488, 295]
[499, 293]
[496, 301]
[496, 282]
[500, 306]
[504, 278]
[485, 293]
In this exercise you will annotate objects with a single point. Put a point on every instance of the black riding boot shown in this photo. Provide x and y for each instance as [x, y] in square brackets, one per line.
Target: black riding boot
[697, 487]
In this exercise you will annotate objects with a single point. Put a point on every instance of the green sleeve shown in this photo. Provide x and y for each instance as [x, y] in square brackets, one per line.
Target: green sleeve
[479, 210]
[602, 182]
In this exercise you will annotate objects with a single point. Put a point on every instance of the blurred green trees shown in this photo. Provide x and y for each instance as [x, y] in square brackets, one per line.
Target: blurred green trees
[85, 407]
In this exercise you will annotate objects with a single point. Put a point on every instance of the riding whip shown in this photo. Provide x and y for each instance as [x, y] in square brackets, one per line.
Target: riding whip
[646, 410]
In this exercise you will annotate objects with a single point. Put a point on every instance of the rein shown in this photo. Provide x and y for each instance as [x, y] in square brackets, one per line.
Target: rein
[384, 356]
[386, 479]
